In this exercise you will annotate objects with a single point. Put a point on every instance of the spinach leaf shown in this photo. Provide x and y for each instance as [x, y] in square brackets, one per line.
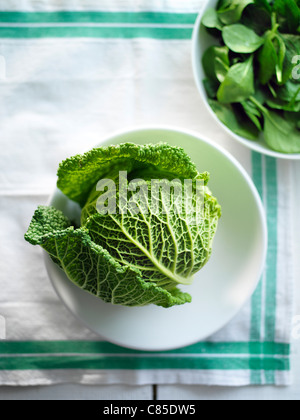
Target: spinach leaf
[231, 12]
[252, 113]
[211, 88]
[272, 91]
[256, 18]
[293, 117]
[211, 20]
[284, 106]
[233, 120]
[280, 134]
[288, 15]
[289, 92]
[281, 51]
[293, 105]
[264, 4]
[241, 39]
[238, 84]
[209, 57]
[221, 69]
[268, 59]
[260, 94]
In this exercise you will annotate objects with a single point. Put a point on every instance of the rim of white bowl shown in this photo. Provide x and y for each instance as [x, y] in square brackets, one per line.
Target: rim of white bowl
[249, 182]
[248, 143]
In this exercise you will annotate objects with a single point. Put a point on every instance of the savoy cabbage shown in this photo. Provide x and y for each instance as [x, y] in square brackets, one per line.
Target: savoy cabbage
[130, 258]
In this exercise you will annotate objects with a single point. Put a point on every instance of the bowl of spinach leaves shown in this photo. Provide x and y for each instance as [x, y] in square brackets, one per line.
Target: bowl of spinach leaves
[246, 63]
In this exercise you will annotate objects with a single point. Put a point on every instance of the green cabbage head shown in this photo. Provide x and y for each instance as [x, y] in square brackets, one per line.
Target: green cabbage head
[139, 256]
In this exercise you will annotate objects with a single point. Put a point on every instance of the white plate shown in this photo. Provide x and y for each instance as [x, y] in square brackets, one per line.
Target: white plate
[201, 41]
[219, 290]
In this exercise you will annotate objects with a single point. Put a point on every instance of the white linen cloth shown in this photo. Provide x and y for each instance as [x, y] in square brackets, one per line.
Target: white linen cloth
[61, 96]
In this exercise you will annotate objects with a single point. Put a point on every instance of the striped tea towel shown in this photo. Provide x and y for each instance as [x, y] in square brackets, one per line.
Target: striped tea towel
[73, 72]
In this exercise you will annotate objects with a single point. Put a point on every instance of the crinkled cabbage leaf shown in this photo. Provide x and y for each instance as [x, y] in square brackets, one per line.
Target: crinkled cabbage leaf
[131, 258]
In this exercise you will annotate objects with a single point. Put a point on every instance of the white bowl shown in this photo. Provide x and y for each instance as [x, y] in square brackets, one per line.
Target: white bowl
[219, 290]
[201, 41]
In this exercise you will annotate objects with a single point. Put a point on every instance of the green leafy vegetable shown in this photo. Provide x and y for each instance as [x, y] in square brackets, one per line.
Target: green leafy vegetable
[265, 4]
[281, 52]
[267, 58]
[221, 69]
[231, 116]
[211, 88]
[289, 92]
[241, 39]
[209, 60]
[231, 11]
[211, 20]
[129, 257]
[257, 18]
[238, 84]
[256, 87]
[253, 113]
[277, 129]
[288, 15]
[91, 267]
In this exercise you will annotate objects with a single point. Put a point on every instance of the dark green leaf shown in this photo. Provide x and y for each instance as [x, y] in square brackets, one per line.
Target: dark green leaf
[252, 113]
[293, 117]
[282, 105]
[267, 58]
[289, 92]
[281, 51]
[238, 84]
[264, 4]
[211, 88]
[221, 69]
[260, 95]
[231, 12]
[208, 60]
[272, 91]
[288, 15]
[230, 117]
[241, 39]
[257, 19]
[280, 134]
[211, 20]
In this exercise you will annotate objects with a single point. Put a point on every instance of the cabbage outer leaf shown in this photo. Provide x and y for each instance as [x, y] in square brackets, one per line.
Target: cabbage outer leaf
[91, 267]
[79, 174]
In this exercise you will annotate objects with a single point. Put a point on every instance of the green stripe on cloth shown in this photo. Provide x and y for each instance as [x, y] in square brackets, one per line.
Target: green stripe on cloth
[271, 204]
[47, 347]
[271, 275]
[256, 304]
[256, 301]
[104, 362]
[96, 32]
[271, 264]
[98, 17]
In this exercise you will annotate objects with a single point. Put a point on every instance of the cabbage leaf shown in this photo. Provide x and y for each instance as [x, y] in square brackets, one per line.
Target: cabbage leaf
[133, 258]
